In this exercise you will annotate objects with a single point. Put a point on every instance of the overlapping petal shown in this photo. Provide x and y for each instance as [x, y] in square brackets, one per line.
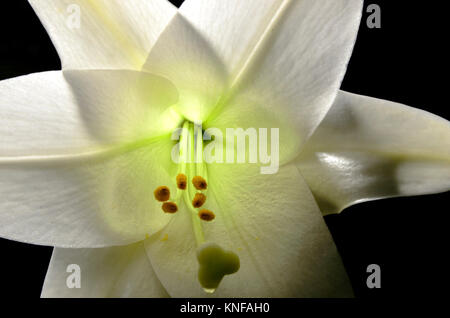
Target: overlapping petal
[286, 59]
[72, 172]
[367, 149]
[120, 271]
[124, 106]
[271, 222]
[39, 116]
[110, 34]
[183, 56]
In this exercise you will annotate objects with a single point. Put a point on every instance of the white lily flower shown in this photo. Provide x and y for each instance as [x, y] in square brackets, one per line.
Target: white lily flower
[83, 149]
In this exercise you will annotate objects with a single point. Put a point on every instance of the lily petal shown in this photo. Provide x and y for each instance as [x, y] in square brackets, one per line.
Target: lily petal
[39, 116]
[120, 271]
[111, 34]
[232, 27]
[97, 200]
[124, 106]
[183, 56]
[287, 59]
[55, 113]
[66, 183]
[367, 149]
[271, 222]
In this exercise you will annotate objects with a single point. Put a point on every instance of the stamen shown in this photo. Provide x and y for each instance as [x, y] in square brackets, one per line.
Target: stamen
[184, 152]
[199, 200]
[170, 207]
[181, 181]
[206, 215]
[196, 223]
[214, 262]
[162, 194]
[199, 183]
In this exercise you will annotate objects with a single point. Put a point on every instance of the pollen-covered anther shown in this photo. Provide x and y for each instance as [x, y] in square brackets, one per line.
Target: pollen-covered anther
[181, 181]
[206, 215]
[170, 207]
[162, 194]
[199, 183]
[199, 200]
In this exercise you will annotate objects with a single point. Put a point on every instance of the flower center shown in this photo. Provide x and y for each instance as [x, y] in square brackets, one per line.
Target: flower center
[192, 185]
[190, 166]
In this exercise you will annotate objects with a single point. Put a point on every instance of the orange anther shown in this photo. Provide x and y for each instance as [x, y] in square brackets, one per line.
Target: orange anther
[199, 200]
[181, 181]
[206, 215]
[170, 207]
[162, 194]
[199, 183]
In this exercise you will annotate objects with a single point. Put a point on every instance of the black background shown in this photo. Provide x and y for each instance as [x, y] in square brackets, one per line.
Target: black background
[401, 62]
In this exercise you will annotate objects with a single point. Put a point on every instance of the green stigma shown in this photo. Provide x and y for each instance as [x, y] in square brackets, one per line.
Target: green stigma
[214, 264]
